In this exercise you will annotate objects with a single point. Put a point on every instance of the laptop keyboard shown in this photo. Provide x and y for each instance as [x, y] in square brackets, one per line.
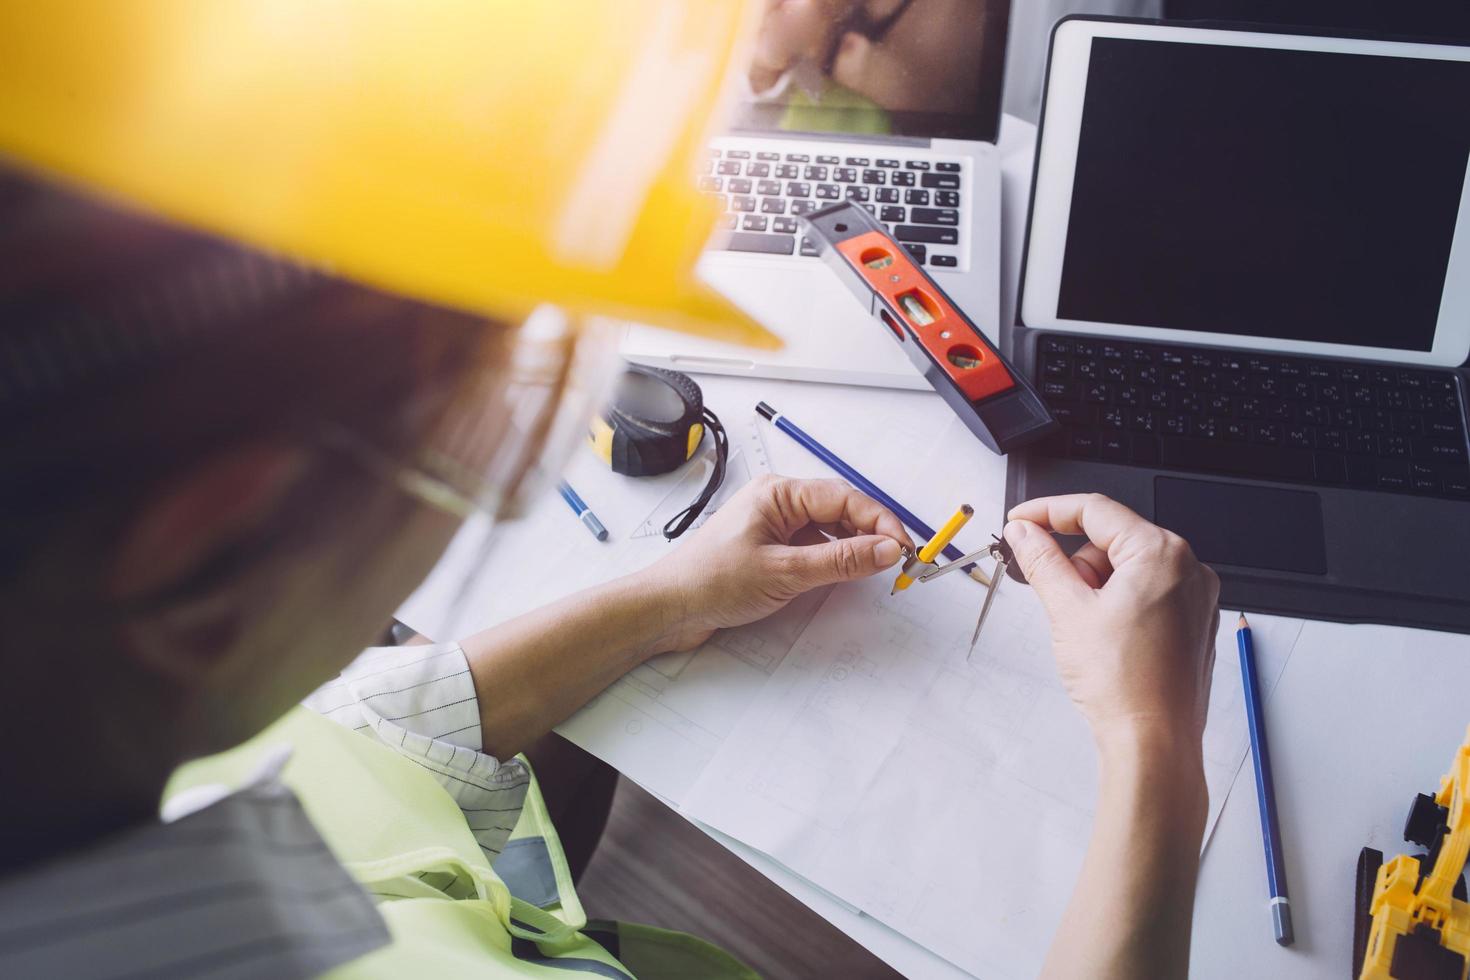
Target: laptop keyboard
[1290, 419]
[763, 192]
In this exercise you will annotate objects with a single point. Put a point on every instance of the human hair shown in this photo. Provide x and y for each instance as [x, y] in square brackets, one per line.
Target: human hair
[132, 349]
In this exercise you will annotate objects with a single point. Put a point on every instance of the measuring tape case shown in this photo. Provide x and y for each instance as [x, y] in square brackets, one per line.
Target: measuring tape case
[997, 404]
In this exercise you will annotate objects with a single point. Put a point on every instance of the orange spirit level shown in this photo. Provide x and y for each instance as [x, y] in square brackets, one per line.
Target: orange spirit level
[995, 402]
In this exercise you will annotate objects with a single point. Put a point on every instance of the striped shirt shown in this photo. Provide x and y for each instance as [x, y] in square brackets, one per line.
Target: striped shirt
[235, 884]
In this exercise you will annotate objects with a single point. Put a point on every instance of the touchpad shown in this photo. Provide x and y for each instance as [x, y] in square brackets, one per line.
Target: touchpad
[1258, 527]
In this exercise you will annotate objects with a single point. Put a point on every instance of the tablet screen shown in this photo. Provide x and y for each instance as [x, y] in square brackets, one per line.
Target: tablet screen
[1295, 194]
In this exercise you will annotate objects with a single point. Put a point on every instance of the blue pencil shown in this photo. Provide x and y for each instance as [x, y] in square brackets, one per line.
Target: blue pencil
[583, 512]
[854, 477]
[1265, 791]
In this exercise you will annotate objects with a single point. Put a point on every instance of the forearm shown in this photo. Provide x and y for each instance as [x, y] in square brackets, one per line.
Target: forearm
[1130, 913]
[535, 671]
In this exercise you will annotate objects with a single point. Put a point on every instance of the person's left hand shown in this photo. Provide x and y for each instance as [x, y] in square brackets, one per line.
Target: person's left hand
[774, 540]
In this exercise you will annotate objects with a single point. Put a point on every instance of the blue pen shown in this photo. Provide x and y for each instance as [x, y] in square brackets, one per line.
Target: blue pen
[1265, 791]
[855, 478]
[583, 512]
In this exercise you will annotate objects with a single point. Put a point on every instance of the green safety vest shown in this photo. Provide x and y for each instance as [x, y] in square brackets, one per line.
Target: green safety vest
[387, 819]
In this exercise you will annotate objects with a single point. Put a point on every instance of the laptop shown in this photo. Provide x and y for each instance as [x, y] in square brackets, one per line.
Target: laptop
[893, 105]
[1246, 296]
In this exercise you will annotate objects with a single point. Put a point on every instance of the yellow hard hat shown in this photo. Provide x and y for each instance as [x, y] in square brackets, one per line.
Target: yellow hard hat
[483, 154]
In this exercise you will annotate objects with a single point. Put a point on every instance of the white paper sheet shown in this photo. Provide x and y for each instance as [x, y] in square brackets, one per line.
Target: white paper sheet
[951, 801]
[664, 720]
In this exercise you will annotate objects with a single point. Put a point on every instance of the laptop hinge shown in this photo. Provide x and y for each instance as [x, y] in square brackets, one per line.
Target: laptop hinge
[916, 141]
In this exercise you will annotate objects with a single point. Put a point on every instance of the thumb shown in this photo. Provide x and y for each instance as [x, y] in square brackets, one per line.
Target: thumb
[1045, 565]
[841, 560]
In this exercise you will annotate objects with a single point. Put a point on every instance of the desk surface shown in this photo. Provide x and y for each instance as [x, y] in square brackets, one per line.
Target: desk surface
[1345, 771]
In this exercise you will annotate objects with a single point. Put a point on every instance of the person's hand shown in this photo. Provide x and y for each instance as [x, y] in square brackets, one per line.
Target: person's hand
[1133, 616]
[792, 31]
[774, 540]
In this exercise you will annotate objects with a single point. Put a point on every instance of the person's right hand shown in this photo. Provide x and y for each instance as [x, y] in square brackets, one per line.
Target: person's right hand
[1133, 615]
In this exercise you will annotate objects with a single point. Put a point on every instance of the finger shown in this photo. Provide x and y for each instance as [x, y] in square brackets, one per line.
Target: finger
[1107, 523]
[1092, 564]
[842, 560]
[803, 502]
[1055, 579]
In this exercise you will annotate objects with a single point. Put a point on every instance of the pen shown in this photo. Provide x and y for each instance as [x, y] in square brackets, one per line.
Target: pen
[932, 547]
[856, 479]
[1265, 791]
[583, 512]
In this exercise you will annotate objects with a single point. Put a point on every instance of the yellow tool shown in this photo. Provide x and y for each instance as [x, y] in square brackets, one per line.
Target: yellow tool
[916, 564]
[1414, 924]
[486, 155]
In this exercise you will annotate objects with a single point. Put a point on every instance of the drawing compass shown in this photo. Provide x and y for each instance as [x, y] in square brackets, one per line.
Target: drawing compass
[921, 567]
[1003, 556]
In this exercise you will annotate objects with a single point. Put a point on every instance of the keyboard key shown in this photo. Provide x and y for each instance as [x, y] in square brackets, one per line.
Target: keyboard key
[737, 154]
[798, 158]
[1329, 467]
[945, 261]
[935, 216]
[845, 174]
[903, 178]
[915, 196]
[711, 185]
[928, 234]
[943, 182]
[892, 214]
[919, 252]
[1223, 457]
[886, 195]
[1393, 474]
[728, 168]
[801, 207]
[809, 248]
[743, 241]
[947, 167]
[828, 192]
[798, 189]
[857, 161]
[917, 165]
[738, 185]
[1437, 450]
[857, 192]
[712, 152]
[829, 159]
[768, 187]
[772, 205]
[758, 170]
[787, 171]
[890, 164]
[1082, 444]
[947, 199]
[741, 202]
[754, 222]
[784, 226]
[730, 221]
[814, 173]
[875, 177]
[1113, 447]
[768, 156]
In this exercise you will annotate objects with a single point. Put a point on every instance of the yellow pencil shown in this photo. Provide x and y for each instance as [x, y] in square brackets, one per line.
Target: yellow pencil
[934, 546]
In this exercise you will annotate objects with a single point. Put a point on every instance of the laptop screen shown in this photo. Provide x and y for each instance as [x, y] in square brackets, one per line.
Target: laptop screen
[915, 68]
[1305, 195]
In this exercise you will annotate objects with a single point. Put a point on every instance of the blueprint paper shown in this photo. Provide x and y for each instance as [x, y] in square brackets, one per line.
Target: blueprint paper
[951, 801]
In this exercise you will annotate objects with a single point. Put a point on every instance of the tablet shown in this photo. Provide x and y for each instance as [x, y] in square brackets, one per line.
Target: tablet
[1280, 192]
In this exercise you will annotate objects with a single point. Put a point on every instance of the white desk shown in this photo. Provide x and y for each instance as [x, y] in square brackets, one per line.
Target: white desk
[1361, 719]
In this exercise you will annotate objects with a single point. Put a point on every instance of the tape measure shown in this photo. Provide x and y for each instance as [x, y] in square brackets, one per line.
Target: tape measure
[655, 424]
